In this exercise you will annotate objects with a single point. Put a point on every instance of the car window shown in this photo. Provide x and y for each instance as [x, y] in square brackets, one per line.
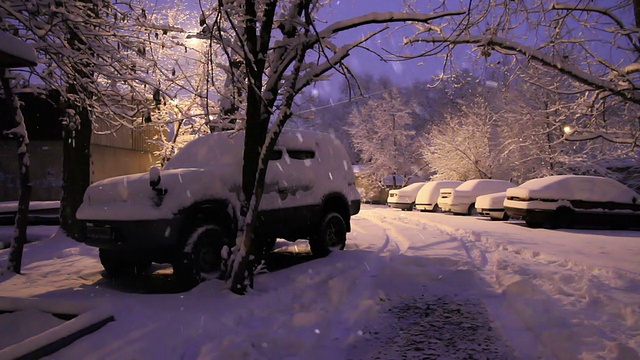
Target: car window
[301, 154]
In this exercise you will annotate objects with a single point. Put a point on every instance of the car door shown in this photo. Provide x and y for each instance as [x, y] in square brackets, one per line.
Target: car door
[283, 208]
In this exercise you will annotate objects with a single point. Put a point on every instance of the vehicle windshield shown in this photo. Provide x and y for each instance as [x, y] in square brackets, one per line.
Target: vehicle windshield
[213, 150]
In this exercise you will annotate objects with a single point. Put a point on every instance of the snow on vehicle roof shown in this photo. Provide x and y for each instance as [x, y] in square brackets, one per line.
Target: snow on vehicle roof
[215, 149]
[498, 185]
[411, 188]
[440, 183]
[225, 147]
[575, 187]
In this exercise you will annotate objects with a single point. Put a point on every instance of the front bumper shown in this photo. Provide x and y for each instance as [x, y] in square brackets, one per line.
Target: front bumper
[354, 207]
[399, 205]
[129, 235]
[425, 207]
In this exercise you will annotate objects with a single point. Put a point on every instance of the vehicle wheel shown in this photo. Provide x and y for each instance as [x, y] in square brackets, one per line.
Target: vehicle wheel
[504, 217]
[202, 253]
[472, 211]
[436, 208]
[332, 235]
[118, 264]
[533, 223]
[564, 217]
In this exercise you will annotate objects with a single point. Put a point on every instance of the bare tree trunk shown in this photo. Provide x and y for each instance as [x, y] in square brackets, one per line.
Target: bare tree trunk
[20, 235]
[256, 127]
[76, 137]
[75, 170]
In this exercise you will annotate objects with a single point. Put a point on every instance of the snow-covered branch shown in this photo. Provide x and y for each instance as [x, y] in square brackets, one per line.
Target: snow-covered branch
[624, 89]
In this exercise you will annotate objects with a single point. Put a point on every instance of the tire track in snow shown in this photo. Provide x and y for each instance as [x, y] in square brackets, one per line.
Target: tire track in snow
[408, 331]
[559, 288]
[399, 241]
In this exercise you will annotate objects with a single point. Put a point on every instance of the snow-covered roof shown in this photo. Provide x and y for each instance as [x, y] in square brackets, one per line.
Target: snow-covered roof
[15, 52]
[485, 185]
[410, 189]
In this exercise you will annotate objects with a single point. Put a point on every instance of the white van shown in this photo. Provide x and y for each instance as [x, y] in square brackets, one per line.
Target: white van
[427, 198]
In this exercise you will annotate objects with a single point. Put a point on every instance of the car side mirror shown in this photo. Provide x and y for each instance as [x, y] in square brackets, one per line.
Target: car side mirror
[154, 177]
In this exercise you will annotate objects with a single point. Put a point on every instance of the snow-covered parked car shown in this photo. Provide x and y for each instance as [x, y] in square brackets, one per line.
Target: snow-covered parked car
[569, 200]
[185, 214]
[461, 200]
[404, 198]
[427, 198]
[492, 206]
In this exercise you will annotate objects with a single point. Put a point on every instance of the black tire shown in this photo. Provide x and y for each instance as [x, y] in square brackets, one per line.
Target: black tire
[331, 235]
[202, 253]
[472, 211]
[533, 223]
[563, 217]
[119, 265]
[436, 209]
[504, 217]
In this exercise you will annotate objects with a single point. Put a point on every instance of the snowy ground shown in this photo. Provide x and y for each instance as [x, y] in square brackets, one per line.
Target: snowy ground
[409, 285]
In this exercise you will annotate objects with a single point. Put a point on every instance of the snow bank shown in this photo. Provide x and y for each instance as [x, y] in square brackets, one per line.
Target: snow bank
[47, 334]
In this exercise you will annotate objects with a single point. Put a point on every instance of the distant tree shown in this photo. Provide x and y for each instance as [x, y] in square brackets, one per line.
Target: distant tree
[467, 144]
[537, 105]
[513, 129]
[595, 44]
[381, 133]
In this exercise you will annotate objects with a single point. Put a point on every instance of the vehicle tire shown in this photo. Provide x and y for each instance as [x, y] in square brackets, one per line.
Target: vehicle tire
[119, 265]
[533, 223]
[331, 235]
[436, 209]
[472, 211]
[202, 253]
[563, 217]
[504, 217]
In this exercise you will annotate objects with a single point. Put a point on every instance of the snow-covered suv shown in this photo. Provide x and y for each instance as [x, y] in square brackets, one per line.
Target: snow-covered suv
[185, 214]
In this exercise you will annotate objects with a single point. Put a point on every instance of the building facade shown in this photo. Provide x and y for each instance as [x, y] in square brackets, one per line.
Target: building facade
[114, 152]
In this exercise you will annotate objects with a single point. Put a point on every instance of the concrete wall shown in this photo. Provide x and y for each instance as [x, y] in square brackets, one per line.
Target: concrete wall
[108, 162]
[45, 170]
